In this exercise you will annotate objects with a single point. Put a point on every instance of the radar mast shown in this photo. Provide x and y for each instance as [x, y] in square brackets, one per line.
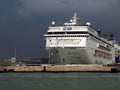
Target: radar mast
[74, 19]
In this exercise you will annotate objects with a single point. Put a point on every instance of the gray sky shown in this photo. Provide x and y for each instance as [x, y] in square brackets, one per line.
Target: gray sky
[24, 22]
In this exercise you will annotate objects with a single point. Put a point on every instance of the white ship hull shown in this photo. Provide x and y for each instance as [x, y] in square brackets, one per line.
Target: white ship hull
[75, 56]
[69, 56]
[76, 44]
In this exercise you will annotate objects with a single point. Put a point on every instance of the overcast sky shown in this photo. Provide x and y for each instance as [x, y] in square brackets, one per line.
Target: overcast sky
[24, 22]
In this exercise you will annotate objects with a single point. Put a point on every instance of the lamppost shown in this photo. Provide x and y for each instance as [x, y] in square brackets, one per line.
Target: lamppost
[49, 57]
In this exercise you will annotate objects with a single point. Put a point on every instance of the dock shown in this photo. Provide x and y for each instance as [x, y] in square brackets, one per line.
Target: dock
[60, 68]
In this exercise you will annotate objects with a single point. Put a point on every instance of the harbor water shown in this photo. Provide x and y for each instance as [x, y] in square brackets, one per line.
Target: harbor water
[59, 81]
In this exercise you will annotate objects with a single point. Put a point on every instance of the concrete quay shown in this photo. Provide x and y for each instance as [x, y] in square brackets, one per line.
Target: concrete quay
[21, 68]
[60, 68]
[77, 68]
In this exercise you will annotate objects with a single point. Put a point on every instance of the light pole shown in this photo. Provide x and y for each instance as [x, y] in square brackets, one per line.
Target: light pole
[15, 53]
[49, 57]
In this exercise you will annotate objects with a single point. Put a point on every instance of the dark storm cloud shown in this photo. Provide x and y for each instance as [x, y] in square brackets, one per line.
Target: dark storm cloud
[52, 6]
[103, 12]
[95, 10]
[18, 32]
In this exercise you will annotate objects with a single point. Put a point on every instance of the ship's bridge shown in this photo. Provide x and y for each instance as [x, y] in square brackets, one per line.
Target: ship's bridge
[71, 29]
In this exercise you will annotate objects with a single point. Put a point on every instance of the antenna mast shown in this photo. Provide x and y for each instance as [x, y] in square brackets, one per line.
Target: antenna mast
[74, 18]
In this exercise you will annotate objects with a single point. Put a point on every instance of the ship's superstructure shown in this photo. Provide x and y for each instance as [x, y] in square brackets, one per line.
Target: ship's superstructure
[72, 43]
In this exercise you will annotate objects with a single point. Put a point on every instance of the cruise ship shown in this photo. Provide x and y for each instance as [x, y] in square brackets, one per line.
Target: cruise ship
[74, 43]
